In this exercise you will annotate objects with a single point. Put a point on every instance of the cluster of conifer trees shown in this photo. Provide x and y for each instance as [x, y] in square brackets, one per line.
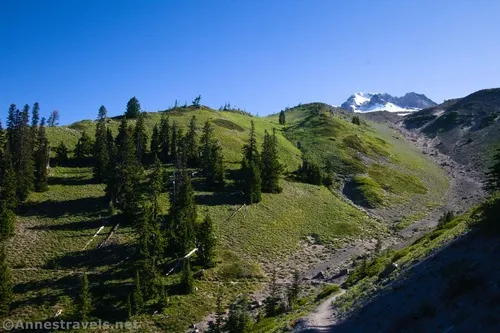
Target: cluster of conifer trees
[260, 172]
[24, 158]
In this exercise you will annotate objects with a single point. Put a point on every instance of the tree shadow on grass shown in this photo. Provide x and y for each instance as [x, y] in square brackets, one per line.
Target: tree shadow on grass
[92, 224]
[53, 209]
[81, 180]
[108, 255]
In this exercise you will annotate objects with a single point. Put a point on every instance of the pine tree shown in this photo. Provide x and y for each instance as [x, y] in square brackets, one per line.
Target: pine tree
[137, 297]
[196, 101]
[183, 215]
[123, 186]
[101, 153]
[271, 168]
[251, 182]
[294, 291]
[272, 301]
[140, 138]
[250, 169]
[5, 284]
[355, 120]
[112, 152]
[8, 182]
[175, 142]
[84, 147]
[20, 144]
[187, 280]
[238, 320]
[62, 152]
[133, 108]
[212, 160]
[192, 144]
[155, 142]
[35, 117]
[3, 139]
[493, 174]
[42, 157]
[217, 326]
[84, 300]
[164, 139]
[250, 149]
[282, 118]
[206, 242]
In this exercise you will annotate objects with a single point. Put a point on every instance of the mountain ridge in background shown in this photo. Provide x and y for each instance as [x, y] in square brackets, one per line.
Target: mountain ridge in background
[368, 102]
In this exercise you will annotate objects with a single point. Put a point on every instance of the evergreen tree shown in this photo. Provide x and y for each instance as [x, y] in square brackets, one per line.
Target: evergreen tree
[183, 215]
[133, 108]
[5, 284]
[238, 320]
[271, 168]
[187, 280]
[140, 138]
[355, 120]
[192, 144]
[3, 138]
[164, 139]
[273, 300]
[137, 297]
[84, 147]
[206, 242]
[53, 118]
[250, 169]
[8, 197]
[35, 117]
[112, 153]
[251, 182]
[196, 101]
[493, 174]
[212, 160]
[250, 149]
[282, 118]
[20, 144]
[311, 173]
[217, 326]
[175, 142]
[42, 157]
[84, 300]
[62, 152]
[155, 142]
[294, 291]
[101, 153]
[123, 186]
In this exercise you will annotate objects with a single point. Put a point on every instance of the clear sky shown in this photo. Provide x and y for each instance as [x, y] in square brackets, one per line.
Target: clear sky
[75, 55]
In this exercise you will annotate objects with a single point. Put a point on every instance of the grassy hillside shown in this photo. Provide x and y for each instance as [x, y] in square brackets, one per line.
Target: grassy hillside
[54, 241]
[373, 164]
[230, 128]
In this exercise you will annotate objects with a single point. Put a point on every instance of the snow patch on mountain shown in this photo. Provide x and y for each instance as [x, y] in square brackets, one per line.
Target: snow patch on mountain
[370, 102]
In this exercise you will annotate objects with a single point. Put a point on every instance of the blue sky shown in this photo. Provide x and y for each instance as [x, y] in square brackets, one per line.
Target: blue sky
[76, 55]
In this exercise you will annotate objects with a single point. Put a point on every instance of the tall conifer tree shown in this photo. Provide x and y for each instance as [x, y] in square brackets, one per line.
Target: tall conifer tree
[165, 136]
[42, 157]
[101, 153]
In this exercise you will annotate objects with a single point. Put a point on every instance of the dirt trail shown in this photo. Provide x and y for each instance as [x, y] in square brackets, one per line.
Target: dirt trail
[465, 191]
[321, 319]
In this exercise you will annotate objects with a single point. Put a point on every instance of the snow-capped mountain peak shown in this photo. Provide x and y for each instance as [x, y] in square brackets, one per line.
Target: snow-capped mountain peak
[367, 102]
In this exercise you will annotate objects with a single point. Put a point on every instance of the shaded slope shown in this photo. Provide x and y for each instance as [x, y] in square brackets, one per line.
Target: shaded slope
[455, 289]
[466, 129]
